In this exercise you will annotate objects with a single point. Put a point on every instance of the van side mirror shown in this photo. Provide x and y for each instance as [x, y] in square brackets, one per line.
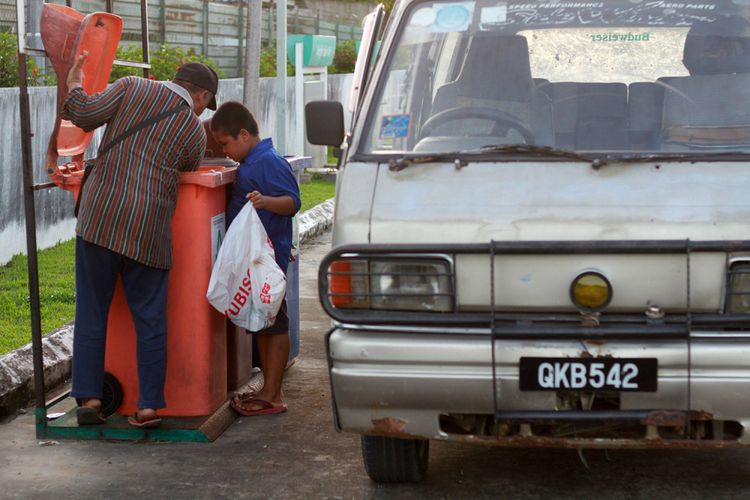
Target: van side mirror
[324, 121]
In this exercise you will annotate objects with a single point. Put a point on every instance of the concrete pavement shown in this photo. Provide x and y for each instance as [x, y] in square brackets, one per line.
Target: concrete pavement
[300, 455]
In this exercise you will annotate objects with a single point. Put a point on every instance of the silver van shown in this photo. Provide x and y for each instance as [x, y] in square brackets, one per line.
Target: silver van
[542, 228]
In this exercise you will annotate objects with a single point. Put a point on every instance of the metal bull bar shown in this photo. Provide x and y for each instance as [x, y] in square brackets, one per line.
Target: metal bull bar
[521, 326]
[681, 327]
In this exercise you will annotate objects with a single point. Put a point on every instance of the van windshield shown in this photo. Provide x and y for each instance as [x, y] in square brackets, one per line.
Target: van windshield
[632, 75]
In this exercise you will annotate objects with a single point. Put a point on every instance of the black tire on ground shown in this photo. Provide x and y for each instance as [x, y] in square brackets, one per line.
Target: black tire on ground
[393, 460]
[111, 394]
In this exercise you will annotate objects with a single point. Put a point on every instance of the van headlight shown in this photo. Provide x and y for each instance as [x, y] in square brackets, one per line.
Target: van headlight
[397, 284]
[738, 288]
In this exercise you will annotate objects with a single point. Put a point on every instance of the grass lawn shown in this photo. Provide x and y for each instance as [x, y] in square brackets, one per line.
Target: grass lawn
[316, 191]
[57, 282]
[56, 292]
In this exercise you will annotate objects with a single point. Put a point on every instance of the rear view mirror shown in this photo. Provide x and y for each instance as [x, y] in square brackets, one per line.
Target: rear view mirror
[324, 121]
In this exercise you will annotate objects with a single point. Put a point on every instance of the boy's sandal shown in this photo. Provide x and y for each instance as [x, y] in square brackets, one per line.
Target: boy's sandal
[147, 423]
[262, 407]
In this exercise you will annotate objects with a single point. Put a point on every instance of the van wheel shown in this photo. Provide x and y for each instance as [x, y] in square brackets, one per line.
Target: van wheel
[393, 460]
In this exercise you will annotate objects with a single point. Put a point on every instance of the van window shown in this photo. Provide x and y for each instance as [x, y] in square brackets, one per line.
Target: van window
[580, 76]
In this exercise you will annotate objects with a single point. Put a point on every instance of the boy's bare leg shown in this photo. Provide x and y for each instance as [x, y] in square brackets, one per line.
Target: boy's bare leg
[274, 352]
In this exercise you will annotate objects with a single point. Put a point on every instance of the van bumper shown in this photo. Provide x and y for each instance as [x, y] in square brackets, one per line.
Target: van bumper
[409, 382]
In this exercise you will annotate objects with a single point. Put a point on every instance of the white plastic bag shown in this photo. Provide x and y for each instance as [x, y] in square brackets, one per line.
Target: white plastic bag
[247, 285]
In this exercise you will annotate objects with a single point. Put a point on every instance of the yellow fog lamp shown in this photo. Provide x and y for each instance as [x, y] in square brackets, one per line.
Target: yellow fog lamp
[590, 291]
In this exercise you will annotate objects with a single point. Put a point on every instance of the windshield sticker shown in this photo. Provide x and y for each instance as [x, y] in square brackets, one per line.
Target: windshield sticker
[423, 17]
[452, 17]
[494, 15]
[648, 13]
[621, 37]
[395, 126]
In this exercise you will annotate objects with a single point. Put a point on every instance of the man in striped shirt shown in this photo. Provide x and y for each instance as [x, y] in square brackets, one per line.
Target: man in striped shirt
[124, 223]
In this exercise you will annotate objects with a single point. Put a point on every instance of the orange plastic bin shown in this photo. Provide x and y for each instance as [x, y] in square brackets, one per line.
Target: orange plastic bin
[196, 383]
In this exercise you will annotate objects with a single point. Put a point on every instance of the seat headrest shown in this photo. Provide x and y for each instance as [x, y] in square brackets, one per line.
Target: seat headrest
[497, 68]
[718, 47]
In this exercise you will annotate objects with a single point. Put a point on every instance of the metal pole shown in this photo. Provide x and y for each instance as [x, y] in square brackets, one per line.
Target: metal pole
[251, 82]
[144, 36]
[241, 38]
[34, 38]
[270, 25]
[30, 215]
[163, 21]
[205, 28]
[281, 76]
[299, 99]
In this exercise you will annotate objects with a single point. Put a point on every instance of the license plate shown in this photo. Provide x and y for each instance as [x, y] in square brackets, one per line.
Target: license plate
[588, 374]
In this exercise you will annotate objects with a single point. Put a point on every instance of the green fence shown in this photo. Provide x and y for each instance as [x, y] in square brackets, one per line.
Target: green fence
[216, 30]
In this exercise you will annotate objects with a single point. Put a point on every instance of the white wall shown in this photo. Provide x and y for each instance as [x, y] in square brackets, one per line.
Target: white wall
[54, 207]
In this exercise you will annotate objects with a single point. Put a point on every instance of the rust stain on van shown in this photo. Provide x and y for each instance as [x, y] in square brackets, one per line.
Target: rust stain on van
[388, 425]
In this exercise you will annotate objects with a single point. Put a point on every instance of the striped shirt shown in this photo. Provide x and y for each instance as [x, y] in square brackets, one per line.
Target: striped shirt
[130, 196]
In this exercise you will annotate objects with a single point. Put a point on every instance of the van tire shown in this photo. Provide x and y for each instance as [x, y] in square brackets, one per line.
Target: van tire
[393, 460]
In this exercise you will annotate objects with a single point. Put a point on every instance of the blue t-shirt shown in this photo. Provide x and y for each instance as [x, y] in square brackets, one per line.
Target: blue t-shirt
[266, 171]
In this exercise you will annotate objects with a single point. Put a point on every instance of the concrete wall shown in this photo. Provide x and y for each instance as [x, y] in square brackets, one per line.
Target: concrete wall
[354, 11]
[214, 29]
[54, 207]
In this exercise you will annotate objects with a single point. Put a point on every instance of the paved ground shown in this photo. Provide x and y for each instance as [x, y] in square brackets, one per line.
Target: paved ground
[299, 455]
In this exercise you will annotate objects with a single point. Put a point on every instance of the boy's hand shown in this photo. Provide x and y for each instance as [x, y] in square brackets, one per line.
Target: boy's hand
[282, 205]
[75, 75]
[257, 199]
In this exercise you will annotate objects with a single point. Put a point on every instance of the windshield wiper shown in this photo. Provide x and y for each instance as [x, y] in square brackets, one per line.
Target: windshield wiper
[459, 157]
[533, 150]
[396, 165]
[602, 159]
[678, 156]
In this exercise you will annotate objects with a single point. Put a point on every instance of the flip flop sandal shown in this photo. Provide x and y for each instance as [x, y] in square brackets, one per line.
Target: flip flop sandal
[86, 415]
[266, 407]
[144, 424]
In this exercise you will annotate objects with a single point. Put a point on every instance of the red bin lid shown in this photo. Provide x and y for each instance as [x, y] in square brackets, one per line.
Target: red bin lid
[66, 33]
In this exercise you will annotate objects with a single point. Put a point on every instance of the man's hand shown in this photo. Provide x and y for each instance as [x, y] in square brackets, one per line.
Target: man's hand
[75, 75]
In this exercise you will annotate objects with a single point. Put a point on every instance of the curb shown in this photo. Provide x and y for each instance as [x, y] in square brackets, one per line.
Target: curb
[315, 220]
[17, 367]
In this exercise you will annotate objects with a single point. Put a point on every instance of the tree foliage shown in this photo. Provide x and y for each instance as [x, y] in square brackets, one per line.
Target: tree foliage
[164, 62]
[345, 57]
[343, 60]
[268, 62]
[9, 65]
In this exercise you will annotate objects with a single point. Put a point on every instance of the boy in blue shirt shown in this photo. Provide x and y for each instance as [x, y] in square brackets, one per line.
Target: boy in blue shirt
[265, 179]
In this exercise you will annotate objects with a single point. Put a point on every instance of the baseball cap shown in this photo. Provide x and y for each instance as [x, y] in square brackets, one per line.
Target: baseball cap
[202, 76]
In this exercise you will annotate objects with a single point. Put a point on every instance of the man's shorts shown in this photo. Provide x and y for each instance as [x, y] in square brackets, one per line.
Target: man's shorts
[281, 325]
